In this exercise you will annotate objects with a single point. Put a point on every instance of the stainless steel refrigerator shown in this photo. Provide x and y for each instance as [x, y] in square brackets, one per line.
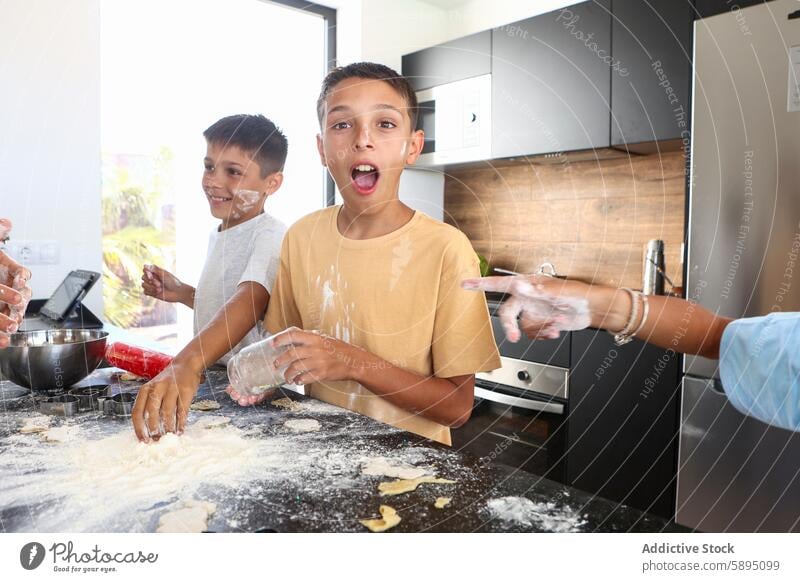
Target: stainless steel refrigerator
[735, 473]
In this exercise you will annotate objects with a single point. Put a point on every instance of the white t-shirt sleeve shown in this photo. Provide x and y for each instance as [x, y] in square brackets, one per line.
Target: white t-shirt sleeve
[262, 266]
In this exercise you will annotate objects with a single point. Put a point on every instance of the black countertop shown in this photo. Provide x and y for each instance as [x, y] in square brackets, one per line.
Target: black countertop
[317, 485]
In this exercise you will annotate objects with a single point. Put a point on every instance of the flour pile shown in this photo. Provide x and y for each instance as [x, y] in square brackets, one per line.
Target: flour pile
[522, 511]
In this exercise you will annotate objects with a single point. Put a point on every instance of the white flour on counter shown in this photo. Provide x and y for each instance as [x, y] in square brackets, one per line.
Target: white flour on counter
[522, 511]
[102, 479]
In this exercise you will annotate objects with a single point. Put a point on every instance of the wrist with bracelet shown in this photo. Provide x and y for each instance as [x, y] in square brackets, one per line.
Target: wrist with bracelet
[634, 324]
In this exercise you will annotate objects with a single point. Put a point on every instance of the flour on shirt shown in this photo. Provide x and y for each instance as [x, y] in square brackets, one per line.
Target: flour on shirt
[330, 292]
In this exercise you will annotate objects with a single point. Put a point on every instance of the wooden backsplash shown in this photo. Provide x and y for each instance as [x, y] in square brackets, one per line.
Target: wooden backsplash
[592, 219]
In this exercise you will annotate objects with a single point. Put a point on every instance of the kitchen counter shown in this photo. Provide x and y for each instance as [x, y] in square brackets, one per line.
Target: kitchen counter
[314, 484]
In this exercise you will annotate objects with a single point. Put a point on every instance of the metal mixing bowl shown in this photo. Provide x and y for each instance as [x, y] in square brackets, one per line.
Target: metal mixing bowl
[52, 359]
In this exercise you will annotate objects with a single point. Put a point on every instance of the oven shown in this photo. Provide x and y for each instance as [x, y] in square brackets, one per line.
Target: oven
[534, 375]
[520, 411]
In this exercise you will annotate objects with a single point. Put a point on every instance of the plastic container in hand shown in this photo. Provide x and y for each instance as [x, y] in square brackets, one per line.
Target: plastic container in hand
[252, 372]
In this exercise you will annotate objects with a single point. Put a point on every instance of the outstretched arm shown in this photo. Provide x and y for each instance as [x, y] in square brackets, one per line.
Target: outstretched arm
[546, 306]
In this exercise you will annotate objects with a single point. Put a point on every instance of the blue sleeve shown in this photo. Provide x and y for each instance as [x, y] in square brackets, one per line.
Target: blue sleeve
[760, 368]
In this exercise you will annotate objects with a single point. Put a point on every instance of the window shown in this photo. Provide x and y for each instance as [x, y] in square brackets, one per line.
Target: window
[165, 77]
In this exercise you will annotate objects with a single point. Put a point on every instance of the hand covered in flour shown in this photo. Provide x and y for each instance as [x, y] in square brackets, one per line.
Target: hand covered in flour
[14, 290]
[161, 284]
[542, 306]
[162, 405]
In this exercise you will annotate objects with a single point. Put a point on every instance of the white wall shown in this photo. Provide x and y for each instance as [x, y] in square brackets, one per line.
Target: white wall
[50, 137]
[478, 15]
[384, 30]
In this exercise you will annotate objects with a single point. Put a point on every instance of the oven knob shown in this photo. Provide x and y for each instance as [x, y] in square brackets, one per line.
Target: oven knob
[524, 376]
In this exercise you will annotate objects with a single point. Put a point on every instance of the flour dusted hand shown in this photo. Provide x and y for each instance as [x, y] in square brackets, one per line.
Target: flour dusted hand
[14, 290]
[542, 306]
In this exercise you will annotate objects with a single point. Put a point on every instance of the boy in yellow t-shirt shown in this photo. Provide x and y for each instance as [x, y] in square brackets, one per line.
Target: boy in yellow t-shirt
[396, 337]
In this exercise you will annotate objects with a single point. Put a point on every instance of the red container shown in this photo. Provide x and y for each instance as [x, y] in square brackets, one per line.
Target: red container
[140, 361]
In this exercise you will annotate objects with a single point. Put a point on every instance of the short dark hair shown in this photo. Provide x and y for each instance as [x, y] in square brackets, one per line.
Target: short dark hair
[254, 134]
[369, 71]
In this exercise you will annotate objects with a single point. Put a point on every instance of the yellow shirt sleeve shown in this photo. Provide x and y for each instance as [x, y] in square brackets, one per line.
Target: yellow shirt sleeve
[463, 340]
[282, 310]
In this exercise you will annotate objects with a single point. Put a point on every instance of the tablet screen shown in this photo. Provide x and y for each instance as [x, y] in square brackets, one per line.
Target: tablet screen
[64, 298]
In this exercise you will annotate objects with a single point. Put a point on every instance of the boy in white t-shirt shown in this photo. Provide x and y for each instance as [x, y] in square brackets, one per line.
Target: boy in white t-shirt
[243, 167]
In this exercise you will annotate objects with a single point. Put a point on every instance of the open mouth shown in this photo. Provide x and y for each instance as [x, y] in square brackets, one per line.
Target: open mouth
[365, 178]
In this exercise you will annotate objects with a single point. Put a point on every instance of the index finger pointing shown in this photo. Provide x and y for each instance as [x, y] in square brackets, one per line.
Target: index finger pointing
[496, 284]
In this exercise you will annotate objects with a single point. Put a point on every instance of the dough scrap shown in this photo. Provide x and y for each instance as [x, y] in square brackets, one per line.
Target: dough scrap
[380, 466]
[302, 425]
[212, 421]
[191, 518]
[34, 424]
[60, 434]
[287, 404]
[442, 502]
[205, 405]
[128, 377]
[389, 519]
[407, 485]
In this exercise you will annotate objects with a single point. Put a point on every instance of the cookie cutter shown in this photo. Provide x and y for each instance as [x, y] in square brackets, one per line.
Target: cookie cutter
[89, 397]
[117, 405]
[63, 405]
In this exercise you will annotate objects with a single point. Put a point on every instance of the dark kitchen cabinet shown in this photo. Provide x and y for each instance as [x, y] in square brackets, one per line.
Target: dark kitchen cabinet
[651, 86]
[452, 61]
[623, 421]
[707, 8]
[550, 82]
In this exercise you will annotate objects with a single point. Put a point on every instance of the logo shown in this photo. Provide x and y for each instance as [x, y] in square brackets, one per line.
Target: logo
[31, 555]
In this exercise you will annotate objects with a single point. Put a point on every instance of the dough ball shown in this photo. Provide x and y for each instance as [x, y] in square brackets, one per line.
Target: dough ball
[380, 466]
[192, 517]
[205, 405]
[407, 485]
[287, 404]
[34, 424]
[212, 421]
[389, 519]
[60, 434]
[442, 502]
[302, 425]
